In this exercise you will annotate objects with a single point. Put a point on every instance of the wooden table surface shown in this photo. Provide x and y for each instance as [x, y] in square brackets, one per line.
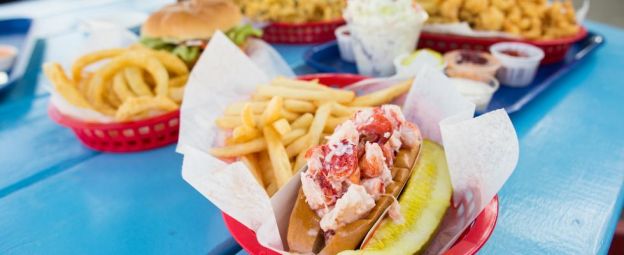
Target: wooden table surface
[58, 197]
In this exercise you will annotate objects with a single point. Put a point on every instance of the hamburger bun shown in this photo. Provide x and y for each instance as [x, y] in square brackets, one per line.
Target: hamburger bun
[193, 19]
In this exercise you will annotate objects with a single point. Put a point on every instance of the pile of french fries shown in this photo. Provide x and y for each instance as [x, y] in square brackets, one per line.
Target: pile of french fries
[130, 84]
[272, 131]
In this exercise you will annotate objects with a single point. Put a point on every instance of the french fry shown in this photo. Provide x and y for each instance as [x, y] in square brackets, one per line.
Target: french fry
[111, 97]
[303, 121]
[298, 146]
[256, 106]
[237, 150]
[251, 161]
[278, 156]
[134, 76]
[120, 86]
[382, 96]
[298, 84]
[247, 117]
[178, 81]
[244, 133]
[232, 121]
[318, 124]
[300, 106]
[88, 59]
[293, 135]
[173, 64]
[137, 105]
[64, 86]
[267, 169]
[140, 59]
[281, 126]
[342, 96]
[228, 122]
[333, 122]
[273, 110]
[271, 189]
[340, 110]
[300, 161]
[176, 94]
[290, 116]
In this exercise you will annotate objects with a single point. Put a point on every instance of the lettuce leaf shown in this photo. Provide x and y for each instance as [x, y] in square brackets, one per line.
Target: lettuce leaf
[186, 53]
[189, 54]
[239, 34]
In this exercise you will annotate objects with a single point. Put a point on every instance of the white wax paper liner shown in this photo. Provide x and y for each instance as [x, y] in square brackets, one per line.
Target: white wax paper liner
[225, 75]
[106, 36]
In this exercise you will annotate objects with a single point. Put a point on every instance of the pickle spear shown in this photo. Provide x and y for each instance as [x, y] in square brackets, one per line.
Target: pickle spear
[424, 202]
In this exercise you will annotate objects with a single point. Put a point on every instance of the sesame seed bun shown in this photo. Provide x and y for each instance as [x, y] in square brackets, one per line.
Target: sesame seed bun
[193, 19]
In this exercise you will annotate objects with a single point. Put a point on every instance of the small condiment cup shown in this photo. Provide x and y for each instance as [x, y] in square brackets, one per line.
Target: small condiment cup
[466, 62]
[410, 63]
[343, 36]
[8, 54]
[518, 70]
[478, 88]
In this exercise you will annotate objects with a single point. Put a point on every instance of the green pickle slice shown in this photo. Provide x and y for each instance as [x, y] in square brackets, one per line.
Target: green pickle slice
[424, 202]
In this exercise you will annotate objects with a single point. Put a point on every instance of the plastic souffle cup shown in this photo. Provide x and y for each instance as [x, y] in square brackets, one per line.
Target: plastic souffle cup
[412, 62]
[520, 62]
[343, 36]
[378, 40]
[477, 88]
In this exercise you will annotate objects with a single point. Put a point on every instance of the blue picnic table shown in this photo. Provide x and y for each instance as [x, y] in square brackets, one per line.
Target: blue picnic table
[58, 197]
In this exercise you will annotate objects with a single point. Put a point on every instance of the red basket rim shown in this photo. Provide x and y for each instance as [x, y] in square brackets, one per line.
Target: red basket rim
[469, 243]
[71, 122]
[566, 40]
[307, 24]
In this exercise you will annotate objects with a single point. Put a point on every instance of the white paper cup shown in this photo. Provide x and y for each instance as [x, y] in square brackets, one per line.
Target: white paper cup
[517, 71]
[343, 36]
[8, 54]
[375, 46]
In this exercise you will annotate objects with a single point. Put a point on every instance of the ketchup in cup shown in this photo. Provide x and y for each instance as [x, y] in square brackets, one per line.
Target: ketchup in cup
[520, 62]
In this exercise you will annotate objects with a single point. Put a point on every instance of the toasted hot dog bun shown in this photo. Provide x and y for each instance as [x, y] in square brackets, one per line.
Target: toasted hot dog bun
[305, 234]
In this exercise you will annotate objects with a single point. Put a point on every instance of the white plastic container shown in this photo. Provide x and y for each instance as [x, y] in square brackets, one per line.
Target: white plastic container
[380, 31]
[519, 62]
[8, 54]
[410, 63]
[344, 43]
[479, 91]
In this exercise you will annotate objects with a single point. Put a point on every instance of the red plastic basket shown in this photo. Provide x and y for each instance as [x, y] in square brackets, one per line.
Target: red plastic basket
[123, 137]
[304, 33]
[555, 50]
[469, 242]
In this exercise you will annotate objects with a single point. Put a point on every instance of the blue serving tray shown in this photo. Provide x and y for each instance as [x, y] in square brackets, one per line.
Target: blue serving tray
[19, 33]
[326, 58]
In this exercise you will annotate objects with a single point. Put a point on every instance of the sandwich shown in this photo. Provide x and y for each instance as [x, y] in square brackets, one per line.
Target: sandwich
[354, 180]
[184, 28]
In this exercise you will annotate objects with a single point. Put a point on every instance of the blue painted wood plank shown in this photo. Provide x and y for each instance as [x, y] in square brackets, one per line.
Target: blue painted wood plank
[566, 193]
[112, 204]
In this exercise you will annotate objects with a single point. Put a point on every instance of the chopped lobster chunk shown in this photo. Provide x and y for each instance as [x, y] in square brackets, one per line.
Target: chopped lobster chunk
[373, 125]
[352, 206]
[410, 135]
[341, 161]
[394, 114]
[373, 163]
[315, 158]
[388, 154]
[346, 131]
[395, 140]
[314, 193]
[374, 186]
